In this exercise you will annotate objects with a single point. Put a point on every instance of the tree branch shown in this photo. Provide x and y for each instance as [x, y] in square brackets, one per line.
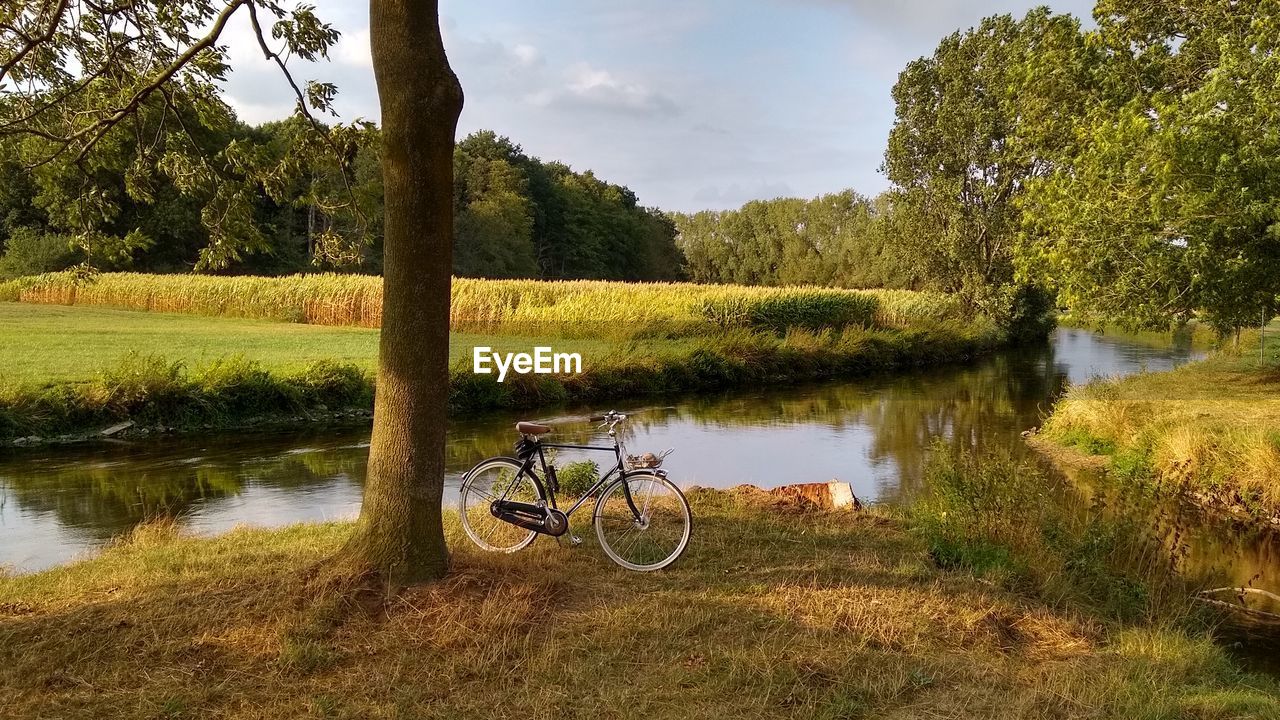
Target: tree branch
[302, 107]
[31, 43]
[104, 125]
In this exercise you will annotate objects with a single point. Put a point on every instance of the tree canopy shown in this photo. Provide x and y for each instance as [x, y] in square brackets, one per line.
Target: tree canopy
[974, 122]
[1129, 169]
[1169, 205]
[112, 106]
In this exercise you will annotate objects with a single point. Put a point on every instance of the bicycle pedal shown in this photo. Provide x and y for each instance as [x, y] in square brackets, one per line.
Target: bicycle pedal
[574, 541]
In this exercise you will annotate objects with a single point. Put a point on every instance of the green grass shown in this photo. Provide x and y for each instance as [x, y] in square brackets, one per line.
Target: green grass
[46, 343]
[771, 613]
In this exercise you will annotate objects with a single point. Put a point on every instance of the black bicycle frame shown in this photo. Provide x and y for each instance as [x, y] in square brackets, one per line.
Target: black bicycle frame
[619, 468]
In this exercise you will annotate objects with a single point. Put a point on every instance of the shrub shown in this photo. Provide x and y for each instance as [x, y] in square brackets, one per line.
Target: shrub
[30, 252]
[152, 390]
[809, 309]
[576, 478]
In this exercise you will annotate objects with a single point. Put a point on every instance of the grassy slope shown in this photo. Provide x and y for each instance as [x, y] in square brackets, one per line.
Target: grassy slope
[1214, 424]
[770, 614]
[43, 343]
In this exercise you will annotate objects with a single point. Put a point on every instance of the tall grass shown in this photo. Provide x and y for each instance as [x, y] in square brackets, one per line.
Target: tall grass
[1005, 518]
[596, 307]
[151, 390]
[1213, 426]
[323, 299]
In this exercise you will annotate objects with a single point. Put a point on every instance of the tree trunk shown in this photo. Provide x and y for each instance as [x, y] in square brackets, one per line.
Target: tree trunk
[399, 535]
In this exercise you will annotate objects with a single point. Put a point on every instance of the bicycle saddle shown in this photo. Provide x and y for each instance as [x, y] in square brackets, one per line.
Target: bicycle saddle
[528, 428]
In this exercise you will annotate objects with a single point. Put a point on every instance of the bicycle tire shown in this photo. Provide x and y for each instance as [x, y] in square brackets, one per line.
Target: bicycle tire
[478, 524]
[613, 514]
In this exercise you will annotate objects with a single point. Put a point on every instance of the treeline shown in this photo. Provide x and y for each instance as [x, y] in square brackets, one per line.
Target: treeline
[837, 240]
[1129, 170]
[515, 216]
[521, 217]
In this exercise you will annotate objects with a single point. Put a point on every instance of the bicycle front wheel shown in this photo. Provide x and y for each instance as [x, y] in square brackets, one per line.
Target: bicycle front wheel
[496, 479]
[651, 531]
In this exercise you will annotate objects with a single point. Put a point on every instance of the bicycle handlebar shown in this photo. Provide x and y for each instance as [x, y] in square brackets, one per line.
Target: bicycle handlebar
[610, 416]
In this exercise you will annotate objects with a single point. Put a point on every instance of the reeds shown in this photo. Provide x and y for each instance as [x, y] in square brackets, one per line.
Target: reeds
[583, 306]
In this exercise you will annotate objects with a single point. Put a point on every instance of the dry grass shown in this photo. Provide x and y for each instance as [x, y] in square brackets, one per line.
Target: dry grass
[1214, 425]
[330, 299]
[771, 613]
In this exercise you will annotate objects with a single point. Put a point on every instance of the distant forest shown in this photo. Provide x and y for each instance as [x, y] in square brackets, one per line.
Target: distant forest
[837, 240]
[516, 215]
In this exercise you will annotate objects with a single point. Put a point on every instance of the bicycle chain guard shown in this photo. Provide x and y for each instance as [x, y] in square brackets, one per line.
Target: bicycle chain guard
[539, 519]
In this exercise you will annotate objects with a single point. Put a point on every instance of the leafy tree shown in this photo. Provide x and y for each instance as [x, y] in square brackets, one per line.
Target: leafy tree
[1169, 206]
[974, 122]
[837, 239]
[92, 83]
[321, 200]
[17, 195]
[521, 217]
[494, 211]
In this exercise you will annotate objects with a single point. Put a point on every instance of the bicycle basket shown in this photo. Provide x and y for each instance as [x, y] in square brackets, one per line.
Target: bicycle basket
[648, 460]
[525, 448]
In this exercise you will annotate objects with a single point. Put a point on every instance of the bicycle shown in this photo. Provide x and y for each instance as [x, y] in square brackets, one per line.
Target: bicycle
[642, 520]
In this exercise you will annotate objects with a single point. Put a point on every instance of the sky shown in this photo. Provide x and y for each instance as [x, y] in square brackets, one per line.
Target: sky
[693, 104]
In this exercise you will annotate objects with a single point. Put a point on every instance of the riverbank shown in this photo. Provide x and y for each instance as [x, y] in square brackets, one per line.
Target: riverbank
[197, 373]
[1212, 427]
[772, 612]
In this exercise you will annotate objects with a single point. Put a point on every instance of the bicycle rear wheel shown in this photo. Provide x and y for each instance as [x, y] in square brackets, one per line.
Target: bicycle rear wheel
[654, 539]
[496, 479]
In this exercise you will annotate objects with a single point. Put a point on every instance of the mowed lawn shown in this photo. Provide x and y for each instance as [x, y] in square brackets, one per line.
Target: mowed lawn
[46, 343]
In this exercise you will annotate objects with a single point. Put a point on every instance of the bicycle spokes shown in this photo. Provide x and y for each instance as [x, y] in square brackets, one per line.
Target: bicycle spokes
[490, 483]
[646, 530]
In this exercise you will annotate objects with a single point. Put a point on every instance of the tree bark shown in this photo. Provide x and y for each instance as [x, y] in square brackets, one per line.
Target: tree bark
[399, 535]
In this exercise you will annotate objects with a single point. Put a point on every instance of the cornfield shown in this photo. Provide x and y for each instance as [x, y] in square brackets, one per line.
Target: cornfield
[581, 305]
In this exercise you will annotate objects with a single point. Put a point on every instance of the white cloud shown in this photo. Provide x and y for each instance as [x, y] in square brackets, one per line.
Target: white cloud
[527, 54]
[353, 49]
[256, 113]
[931, 20]
[591, 87]
[736, 194]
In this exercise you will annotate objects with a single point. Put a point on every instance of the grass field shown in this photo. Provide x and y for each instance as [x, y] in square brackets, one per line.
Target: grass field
[771, 613]
[47, 343]
[1214, 425]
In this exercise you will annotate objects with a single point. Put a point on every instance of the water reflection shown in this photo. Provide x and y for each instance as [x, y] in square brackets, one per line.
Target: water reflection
[873, 433]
